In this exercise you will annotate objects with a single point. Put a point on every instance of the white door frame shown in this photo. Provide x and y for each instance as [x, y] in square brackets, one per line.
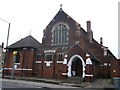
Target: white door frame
[70, 65]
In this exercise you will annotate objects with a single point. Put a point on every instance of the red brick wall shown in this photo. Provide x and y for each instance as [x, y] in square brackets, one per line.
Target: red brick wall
[48, 71]
[60, 68]
[104, 72]
[38, 69]
[115, 68]
[25, 63]
[95, 71]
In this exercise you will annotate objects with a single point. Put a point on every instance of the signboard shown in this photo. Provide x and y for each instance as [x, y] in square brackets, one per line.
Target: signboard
[49, 51]
[48, 64]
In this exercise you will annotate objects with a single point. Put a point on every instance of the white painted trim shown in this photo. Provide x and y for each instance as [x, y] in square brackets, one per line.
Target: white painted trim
[87, 55]
[60, 62]
[70, 64]
[18, 69]
[88, 75]
[64, 74]
[65, 56]
[105, 64]
[38, 62]
[17, 63]
[48, 61]
[49, 51]
[65, 61]
[88, 61]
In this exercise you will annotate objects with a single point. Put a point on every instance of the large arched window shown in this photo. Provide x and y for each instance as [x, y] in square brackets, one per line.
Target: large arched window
[60, 33]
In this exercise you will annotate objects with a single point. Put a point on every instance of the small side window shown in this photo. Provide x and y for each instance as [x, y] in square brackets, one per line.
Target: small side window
[17, 59]
[39, 57]
[48, 57]
[60, 57]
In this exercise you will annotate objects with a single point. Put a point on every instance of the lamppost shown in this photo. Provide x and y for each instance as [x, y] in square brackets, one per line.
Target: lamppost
[8, 30]
[6, 44]
[13, 66]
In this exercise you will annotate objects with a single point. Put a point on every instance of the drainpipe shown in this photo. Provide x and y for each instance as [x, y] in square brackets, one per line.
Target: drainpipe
[42, 60]
[34, 60]
[54, 59]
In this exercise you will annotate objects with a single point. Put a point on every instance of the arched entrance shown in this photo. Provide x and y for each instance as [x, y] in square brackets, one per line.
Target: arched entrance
[76, 66]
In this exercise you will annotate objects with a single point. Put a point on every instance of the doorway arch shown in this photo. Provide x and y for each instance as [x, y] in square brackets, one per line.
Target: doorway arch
[71, 62]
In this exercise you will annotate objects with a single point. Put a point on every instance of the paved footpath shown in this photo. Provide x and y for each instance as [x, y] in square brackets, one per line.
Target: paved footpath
[99, 83]
[35, 84]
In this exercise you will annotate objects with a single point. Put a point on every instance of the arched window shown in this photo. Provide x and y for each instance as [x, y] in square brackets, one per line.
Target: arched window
[60, 35]
[17, 60]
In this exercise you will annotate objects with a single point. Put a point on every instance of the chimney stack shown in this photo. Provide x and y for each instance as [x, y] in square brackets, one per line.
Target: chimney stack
[89, 31]
[101, 40]
[88, 26]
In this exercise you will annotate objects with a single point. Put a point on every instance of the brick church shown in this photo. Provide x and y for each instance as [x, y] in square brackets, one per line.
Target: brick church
[67, 50]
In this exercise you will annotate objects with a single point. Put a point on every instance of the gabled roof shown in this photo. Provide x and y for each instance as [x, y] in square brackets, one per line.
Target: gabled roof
[61, 16]
[27, 42]
[86, 51]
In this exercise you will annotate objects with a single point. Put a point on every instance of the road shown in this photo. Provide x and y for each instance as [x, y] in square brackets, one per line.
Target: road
[28, 85]
[16, 85]
[8, 84]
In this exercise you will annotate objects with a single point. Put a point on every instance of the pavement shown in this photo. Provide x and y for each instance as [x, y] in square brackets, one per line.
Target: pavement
[99, 83]
[8, 83]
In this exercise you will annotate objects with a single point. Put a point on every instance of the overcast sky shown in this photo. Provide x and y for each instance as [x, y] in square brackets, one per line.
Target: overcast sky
[33, 16]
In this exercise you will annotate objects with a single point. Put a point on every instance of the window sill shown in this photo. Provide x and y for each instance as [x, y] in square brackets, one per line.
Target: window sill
[64, 74]
[48, 61]
[60, 61]
[38, 62]
[17, 63]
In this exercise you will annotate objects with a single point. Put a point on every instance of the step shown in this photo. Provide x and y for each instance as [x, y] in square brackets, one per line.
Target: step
[74, 79]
